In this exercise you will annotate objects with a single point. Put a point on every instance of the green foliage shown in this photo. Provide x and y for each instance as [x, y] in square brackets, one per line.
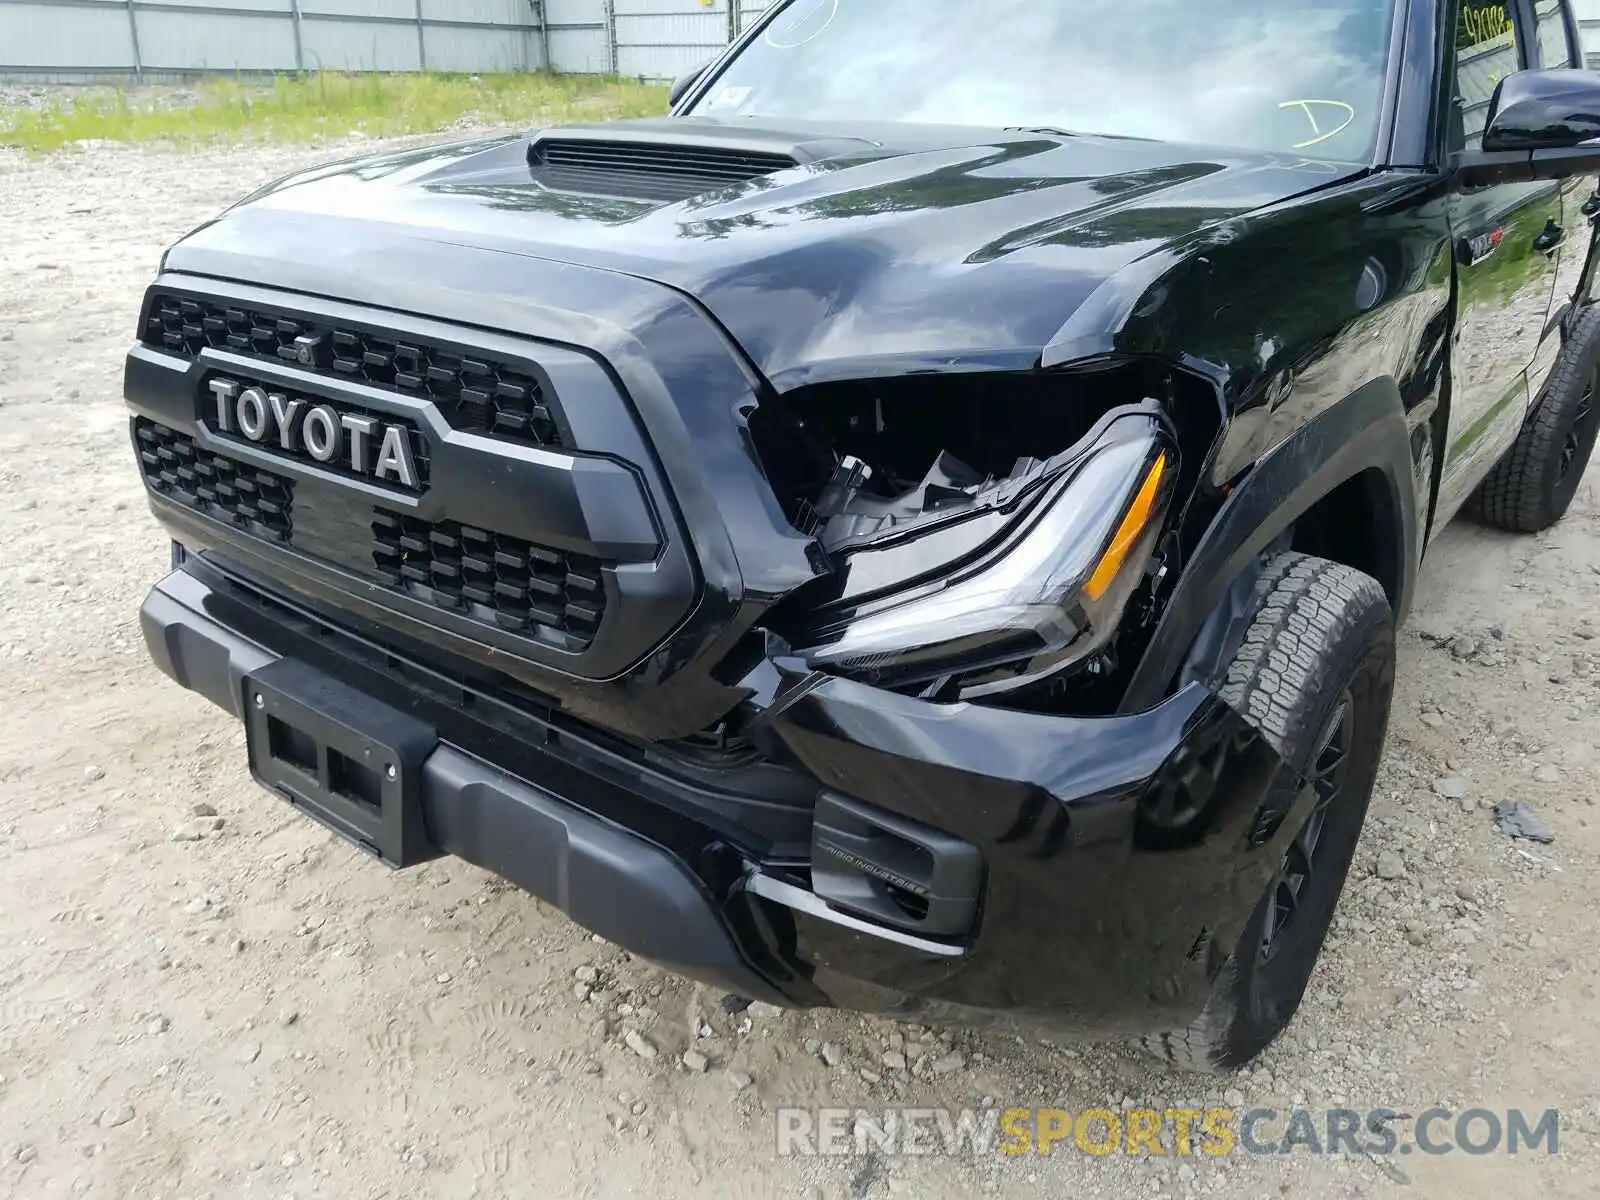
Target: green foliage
[304, 108]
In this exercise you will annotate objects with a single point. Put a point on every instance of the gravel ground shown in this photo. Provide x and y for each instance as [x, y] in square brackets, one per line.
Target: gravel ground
[16, 95]
[236, 1005]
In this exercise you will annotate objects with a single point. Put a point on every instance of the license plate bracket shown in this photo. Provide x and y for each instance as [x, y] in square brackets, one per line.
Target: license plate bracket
[351, 763]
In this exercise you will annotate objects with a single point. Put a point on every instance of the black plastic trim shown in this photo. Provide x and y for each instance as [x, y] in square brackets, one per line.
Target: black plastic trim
[760, 807]
[359, 766]
[597, 502]
[454, 632]
[604, 877]
[876, 863]
[1093, 897]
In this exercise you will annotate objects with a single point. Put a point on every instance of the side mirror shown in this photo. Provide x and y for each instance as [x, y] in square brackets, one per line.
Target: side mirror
[1543, 110]
[1542, 125]
[683, 83]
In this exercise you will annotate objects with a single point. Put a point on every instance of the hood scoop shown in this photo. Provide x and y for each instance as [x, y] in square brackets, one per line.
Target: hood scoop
[673, 158]
[647, 169]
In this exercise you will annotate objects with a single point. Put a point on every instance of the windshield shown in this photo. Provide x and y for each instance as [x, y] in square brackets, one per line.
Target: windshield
[1289, 75]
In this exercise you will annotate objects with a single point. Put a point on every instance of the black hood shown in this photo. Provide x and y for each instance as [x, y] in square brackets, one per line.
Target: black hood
[880, 245]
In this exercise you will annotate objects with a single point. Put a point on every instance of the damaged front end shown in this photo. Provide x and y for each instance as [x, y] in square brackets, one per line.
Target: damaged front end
[1006, 538]
[993, 842]
[1077, 875]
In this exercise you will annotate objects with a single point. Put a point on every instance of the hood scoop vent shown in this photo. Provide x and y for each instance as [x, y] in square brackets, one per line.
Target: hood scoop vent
[646, 167]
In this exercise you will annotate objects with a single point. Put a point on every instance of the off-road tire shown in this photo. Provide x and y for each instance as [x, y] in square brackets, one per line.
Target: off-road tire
[1322, 637]
[1532, 487]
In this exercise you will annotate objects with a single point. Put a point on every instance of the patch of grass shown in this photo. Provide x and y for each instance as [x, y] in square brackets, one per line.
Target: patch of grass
[305, 108]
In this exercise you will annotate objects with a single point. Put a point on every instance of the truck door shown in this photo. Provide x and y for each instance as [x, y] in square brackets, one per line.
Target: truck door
[1580, 204]
[1507, 239]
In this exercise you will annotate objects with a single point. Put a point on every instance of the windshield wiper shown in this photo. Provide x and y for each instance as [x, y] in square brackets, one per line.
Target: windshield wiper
[1049, 130]
[1053, 131]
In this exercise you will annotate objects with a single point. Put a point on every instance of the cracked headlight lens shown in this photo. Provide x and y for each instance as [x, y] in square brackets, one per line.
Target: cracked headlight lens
[1051, 595]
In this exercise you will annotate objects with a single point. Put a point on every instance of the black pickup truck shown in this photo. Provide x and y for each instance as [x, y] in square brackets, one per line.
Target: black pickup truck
[919, 529]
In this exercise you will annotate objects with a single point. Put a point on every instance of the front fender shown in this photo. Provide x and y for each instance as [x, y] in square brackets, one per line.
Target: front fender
[1366, 431]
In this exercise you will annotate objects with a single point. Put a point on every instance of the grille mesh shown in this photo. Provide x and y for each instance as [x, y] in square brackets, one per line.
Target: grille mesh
[511, 583]
[474, 392]
[174, 465]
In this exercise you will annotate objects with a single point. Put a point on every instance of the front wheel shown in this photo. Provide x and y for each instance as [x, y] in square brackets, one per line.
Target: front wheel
[1314, 675]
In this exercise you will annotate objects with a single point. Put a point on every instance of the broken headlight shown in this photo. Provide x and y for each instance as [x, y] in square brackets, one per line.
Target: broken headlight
[1049, 594]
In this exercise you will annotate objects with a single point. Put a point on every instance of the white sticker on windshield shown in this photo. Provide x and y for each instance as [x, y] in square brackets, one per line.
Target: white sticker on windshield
[728, 97]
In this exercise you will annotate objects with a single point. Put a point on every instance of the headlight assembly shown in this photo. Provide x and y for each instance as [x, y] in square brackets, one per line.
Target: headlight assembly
[1049, 594]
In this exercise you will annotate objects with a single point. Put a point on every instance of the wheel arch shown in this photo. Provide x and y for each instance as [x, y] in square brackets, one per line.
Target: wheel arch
[1358, 524]
[1343, 487]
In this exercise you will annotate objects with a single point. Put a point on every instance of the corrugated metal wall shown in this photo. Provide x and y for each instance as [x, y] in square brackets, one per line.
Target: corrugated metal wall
[659, 39]
[71, 39]
[1589, 26]
[580, 39]
[665, 38]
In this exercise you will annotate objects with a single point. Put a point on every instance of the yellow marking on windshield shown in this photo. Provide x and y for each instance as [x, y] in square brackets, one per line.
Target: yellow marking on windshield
[1305, 106]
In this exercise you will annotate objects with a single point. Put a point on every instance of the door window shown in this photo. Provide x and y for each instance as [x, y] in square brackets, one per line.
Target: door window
[1551, 22]
[1487, 50]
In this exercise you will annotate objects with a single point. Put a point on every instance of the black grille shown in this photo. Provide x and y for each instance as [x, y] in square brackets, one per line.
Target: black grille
[679, 169]
[502, 580]
[474, 392]
[174, 465]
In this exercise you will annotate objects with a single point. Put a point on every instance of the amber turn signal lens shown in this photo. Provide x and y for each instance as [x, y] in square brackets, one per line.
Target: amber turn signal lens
[1128, 533]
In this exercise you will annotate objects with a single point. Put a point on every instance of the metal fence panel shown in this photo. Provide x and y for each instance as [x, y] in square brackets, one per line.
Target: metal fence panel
[35, 37]
[1589, 29]
[458, 48]
[661, 39]
[749, 10]
[580, 51]
[509, 14]
[566, 13]
[1589, 35]
[579, 41]
[176, 41]
[271, 6]
[74, 39]
[396, 10]
[363, 46]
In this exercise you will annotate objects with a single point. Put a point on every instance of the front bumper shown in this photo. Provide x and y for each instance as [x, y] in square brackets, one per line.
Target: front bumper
[1120, 856]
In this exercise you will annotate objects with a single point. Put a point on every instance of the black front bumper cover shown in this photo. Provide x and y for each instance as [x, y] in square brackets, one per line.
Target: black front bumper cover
[1121, 855]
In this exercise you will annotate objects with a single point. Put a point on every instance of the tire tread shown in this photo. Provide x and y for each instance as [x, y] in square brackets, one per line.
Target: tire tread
[1306, 607]
[1513, 496]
